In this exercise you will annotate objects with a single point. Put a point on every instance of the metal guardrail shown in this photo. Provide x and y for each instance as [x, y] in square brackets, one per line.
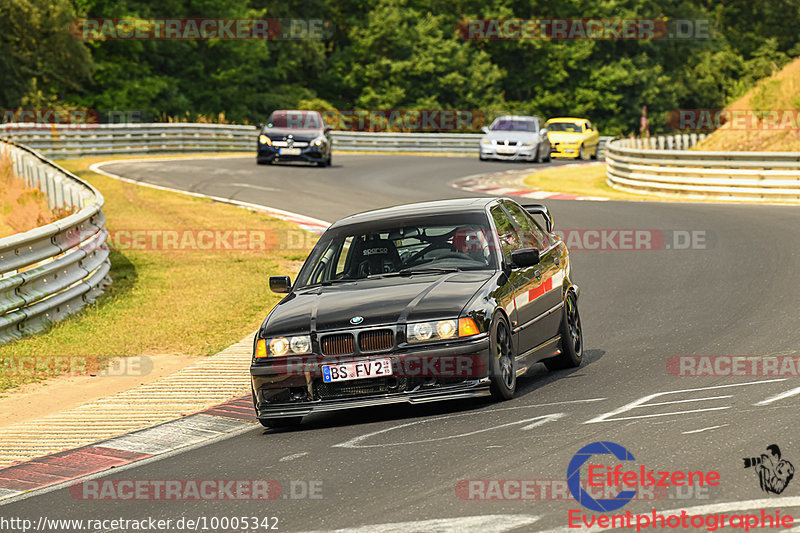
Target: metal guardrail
[663, 165]
[65, 141]
[51, 271]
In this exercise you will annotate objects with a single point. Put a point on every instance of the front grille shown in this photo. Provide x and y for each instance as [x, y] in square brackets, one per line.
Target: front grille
[358, 387]
[376, 341]
[339, 344]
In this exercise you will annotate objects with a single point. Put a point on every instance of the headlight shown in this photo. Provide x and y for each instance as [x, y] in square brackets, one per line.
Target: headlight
[280, 346]
[319, 141]
[438, 330]
[263, 139]
[486, 141]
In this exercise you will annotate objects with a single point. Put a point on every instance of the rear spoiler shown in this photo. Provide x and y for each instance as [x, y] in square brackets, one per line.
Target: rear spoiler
[539, 209]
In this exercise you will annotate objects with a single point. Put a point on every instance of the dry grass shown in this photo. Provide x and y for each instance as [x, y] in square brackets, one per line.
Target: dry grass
[21, 208]
[780, 92]
[588, 180]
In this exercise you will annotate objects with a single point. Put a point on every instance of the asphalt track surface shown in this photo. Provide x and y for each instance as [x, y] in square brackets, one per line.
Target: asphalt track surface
[737, 295]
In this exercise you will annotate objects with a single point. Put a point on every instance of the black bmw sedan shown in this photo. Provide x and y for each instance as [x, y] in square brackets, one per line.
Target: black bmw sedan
[294, 136]
[418, 303]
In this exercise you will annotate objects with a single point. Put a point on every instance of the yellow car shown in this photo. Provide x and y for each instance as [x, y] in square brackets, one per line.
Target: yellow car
[572, 137]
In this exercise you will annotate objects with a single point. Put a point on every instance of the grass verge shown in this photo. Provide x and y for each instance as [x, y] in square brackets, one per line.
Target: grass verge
[193, 300]
[586, 180]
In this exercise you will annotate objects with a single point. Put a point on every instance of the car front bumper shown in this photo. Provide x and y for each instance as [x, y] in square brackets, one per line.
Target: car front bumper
[505, 153]
[309, 154]
[565, 151]
[291, 389]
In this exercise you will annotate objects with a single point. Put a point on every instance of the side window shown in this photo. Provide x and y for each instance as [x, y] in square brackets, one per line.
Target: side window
[531, 234]
[509, 240]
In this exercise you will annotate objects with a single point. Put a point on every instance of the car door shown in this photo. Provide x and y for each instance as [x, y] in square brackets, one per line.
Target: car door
[543, 299]
[518, 279]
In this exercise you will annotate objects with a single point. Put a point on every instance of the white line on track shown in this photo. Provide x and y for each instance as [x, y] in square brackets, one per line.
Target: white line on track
[249, 186]
[530, 424]
[642, 402]
[703, 429]
[292, 457]
[788, 394]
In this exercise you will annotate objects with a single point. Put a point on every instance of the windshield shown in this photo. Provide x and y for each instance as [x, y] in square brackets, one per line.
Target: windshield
[374, 251]
[303, 120]
[564, 126]
[506, 124]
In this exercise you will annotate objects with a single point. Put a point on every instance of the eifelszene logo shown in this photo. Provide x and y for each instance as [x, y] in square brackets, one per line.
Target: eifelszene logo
[624, 481]
[774, 473]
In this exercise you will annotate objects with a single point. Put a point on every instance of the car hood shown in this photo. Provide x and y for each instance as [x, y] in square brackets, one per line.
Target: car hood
[564, 136]
[380, 301]
[518, 136]
[298, 134]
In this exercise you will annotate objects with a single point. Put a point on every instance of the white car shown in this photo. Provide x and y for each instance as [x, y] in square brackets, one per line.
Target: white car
[514, 138]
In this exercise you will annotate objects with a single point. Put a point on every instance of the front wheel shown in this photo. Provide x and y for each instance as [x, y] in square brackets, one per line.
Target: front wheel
[594, 154]
[581, 155]
[571, 337]
[503, 372]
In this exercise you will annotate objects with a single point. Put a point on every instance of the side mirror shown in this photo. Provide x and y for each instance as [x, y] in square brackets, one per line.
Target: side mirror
[538, 209]
[484, 129]
[527, 257]
[280, 284]
[260, 126]
[543, 132]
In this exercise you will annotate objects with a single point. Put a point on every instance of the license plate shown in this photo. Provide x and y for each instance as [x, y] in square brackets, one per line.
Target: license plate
[289, 151]
[357, 370]
[569, 151]
[507, 151]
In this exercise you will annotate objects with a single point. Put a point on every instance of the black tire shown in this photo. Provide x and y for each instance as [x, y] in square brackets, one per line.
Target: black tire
[594, 155]
[571, 337]
[502, 367]
[263, 162]
[581, 155]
